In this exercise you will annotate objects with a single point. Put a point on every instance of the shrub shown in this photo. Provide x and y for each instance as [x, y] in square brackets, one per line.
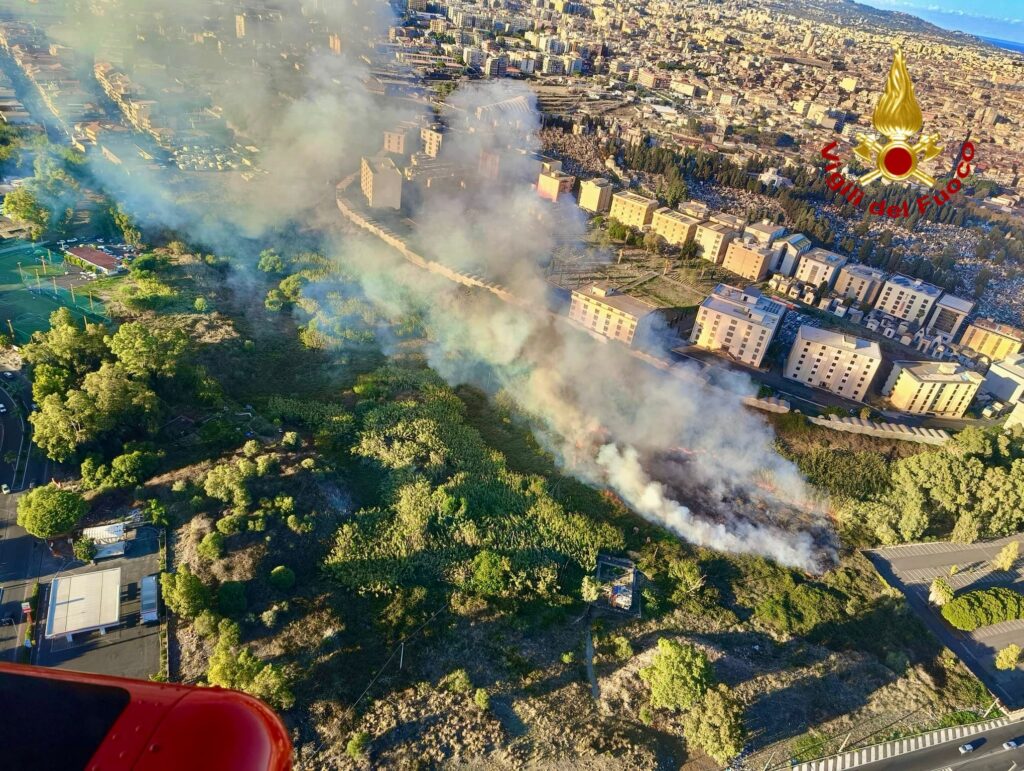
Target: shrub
[983, 607]
[1008, 657]
[358, 745]
[184, 593]
[230, 524]
[251, 448]
[212, 546]
[85, 549]
[206, 623]
[282, 578]
[290, 439]
[456, 681]
[482, 699]
[679, 675]
[231, 598]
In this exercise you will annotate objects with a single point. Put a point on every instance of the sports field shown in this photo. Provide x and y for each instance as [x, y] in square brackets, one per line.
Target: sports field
[32, 287]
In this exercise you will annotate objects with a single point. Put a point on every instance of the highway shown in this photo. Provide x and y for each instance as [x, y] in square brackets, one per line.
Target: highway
[990, 756]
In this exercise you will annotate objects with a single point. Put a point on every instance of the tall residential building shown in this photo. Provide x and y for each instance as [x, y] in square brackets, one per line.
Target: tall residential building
[731, 221]
[697, 209]
[842, 364]
[675, 227]
[431, 137]
[791, 247]
[764, 233]
[948, 313]
[400, 140]
[818, 266]
[749, 260]
[1005, 379]
[992, 339]
[712, 241]
[381, 183]
[739, 322]
[859, 283]
[633, 210]
[938, 388]
[601, 308]
[551, 184]
[910, 299]
[596, 195]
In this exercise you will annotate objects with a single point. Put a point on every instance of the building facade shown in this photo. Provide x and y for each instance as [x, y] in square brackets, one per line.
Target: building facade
[712, 241]
[910, 299]
[842, 364]
[1005, 379]
[596, 195]
[749, 260]
[818, 266]
[633, 210]
[859, 283]
[381, 183]
[602, 309]
[992, 339]
[675, 227]
[938, 388]
[948, 314]
[739, 322]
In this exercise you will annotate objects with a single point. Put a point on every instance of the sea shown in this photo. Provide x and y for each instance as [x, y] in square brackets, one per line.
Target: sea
[1009, 45]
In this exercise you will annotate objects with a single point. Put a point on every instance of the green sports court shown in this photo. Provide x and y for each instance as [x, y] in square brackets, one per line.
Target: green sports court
[31, 278]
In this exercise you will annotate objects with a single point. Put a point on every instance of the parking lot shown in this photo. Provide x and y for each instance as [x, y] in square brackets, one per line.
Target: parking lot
[132, 649]
[912, 568]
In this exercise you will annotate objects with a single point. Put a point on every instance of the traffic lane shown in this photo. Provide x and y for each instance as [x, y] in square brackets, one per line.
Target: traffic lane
[11, 435]
[947, 755]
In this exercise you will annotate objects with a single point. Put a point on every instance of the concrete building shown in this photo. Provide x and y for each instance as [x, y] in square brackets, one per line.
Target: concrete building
[764, 233]
[992, 339]
[819, 266]
[910, 299]
[600, 307]
[551, 184]
[675, 227]
[842, 364]
[739, 322]
[596, 195]
[400, 140]
[633, 210]
[938, 388]
[697, 209]
[381, 183]
[731, 221]
[712, 241]
[431, 137]
[1005, 380]
[749, 260]
[84, 602]
[948, 313]
[791, 248]
[859, 283]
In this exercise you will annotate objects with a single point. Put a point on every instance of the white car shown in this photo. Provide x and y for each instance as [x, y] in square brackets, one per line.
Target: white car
[1011, 745]
[3, 409]
[965, 748]
[5, 489]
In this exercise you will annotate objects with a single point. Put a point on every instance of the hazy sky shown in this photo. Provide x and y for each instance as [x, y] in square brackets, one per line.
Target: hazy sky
[1002, 19]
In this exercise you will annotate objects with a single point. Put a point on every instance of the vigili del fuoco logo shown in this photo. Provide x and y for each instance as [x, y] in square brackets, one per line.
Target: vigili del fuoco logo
[893, 155]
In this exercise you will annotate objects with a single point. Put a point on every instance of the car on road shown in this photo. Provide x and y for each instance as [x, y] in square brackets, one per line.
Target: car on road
[1012, 744]
[5, 489]
[969, 747]
[8, 375]
[3, 408]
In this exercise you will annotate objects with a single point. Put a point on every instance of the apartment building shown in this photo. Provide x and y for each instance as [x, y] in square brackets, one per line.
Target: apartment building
[910, 299]
[764, 233]
[791, 249]
[938, 388]
[595, 195]
[712, 241]
[381, 183]
[1005, 379]
[842, 364]
[818, 266]
[747, 259]
[859, 283]
[697, 209]
[633, 210]
[601, 308]
[948, 314]
[551, 184]
[400, 140]
[675, 227]
[992, 339]
[740, 322]
[431, 137]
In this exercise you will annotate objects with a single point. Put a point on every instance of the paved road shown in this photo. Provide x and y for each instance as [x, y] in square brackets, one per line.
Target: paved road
[990, 756]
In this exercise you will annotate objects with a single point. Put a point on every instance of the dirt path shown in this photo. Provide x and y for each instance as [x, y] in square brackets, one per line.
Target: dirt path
[589, 655]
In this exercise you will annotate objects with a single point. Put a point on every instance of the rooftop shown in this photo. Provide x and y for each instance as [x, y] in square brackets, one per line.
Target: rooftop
[858, 345]
[824, 255]
[939, 372]
[956, 303]
[607, 295]
[864, 271]
[83, 602]
[747, 304]
[626, 195]
[916, 284]
[990, 325]
[94, 257]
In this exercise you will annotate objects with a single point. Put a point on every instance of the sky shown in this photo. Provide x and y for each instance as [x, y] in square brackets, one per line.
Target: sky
[1000, 19]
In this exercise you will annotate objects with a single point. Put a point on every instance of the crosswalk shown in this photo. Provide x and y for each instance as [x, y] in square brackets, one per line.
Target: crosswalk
[892, 749]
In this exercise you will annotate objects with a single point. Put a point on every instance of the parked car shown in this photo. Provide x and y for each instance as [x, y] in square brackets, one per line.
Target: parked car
[6, 490]
[9, 375]
[3, 408]
[965, 748]
[1011, 745]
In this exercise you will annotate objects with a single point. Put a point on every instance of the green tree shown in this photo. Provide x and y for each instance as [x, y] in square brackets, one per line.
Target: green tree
[482, 699]
[941, 592]
[491, 573]
[282, 578]
[679, 675]
[84, 549]
[48, 511]
[144, 351]
[233, 665]
[1007, 556]
[211, 548]
[270, 262]
[716, 726]
[22, 205]
[358, 745]
[1008, 657]
[201, 305]
[590, 590]
[184, 593]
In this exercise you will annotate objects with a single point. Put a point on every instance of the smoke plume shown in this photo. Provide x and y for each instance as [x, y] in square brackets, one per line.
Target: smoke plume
[683, 453]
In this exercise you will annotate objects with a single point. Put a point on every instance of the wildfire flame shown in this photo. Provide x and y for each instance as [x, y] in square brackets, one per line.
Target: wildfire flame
[897, 114]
